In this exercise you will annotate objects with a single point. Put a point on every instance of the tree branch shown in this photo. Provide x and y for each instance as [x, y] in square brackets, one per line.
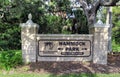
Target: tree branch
[2, 15]
[85, 8]
[90, 10]
[109, 3]
[94, 9]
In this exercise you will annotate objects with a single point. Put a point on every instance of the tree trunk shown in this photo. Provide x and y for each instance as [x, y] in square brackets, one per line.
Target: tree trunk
[109, 23]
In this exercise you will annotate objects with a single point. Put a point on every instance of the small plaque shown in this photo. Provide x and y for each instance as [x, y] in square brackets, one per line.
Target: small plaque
[64, 48]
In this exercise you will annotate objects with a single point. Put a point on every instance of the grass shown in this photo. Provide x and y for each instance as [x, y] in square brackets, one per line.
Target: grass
[10, 59]
[51, 75]
[24, 75]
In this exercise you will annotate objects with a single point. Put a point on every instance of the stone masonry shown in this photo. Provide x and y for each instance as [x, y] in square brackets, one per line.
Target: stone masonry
[100, 43]
[28, 36]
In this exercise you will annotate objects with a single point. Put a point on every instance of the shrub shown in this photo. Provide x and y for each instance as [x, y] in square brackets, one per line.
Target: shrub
[115, 47]
[9, 37]
[10, 59]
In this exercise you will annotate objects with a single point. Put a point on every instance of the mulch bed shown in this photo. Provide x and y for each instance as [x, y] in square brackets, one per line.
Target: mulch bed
[113, 66]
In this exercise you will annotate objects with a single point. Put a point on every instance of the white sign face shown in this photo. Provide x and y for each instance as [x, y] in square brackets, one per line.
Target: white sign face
[64, 48]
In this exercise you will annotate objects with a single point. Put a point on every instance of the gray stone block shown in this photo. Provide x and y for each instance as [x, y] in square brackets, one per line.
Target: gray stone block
[29, 52]
[65, 58]
[29, 58]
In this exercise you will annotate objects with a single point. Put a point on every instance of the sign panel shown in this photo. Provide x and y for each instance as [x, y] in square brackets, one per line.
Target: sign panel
[64, 48]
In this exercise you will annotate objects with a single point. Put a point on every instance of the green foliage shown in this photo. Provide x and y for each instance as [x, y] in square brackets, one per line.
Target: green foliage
[16, 12]
[51, 25]
[82, 22]
[9, 37]
[116, 29]
[116, 34]
[59, 5]
[63, 5]
[116, 25]
[10, 59]
[115, 47]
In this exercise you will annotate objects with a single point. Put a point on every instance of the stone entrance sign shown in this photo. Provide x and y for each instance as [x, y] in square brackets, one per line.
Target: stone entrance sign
[64, 47]
[60, 47]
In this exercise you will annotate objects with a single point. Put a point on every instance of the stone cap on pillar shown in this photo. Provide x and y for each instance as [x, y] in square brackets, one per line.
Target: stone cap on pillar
[100, 24]
[29, 23]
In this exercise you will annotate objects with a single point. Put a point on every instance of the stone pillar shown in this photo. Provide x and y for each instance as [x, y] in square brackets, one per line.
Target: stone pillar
[100, 43]
[29, 41]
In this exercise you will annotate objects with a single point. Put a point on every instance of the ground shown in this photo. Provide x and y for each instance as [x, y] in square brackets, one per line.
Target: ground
[113, 66]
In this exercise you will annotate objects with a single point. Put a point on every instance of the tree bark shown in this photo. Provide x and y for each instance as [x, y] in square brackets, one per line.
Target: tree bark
[109, 23]
[90, 9]
[109, 3]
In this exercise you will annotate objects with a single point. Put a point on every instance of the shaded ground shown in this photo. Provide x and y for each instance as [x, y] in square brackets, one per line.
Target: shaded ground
[113, 66]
